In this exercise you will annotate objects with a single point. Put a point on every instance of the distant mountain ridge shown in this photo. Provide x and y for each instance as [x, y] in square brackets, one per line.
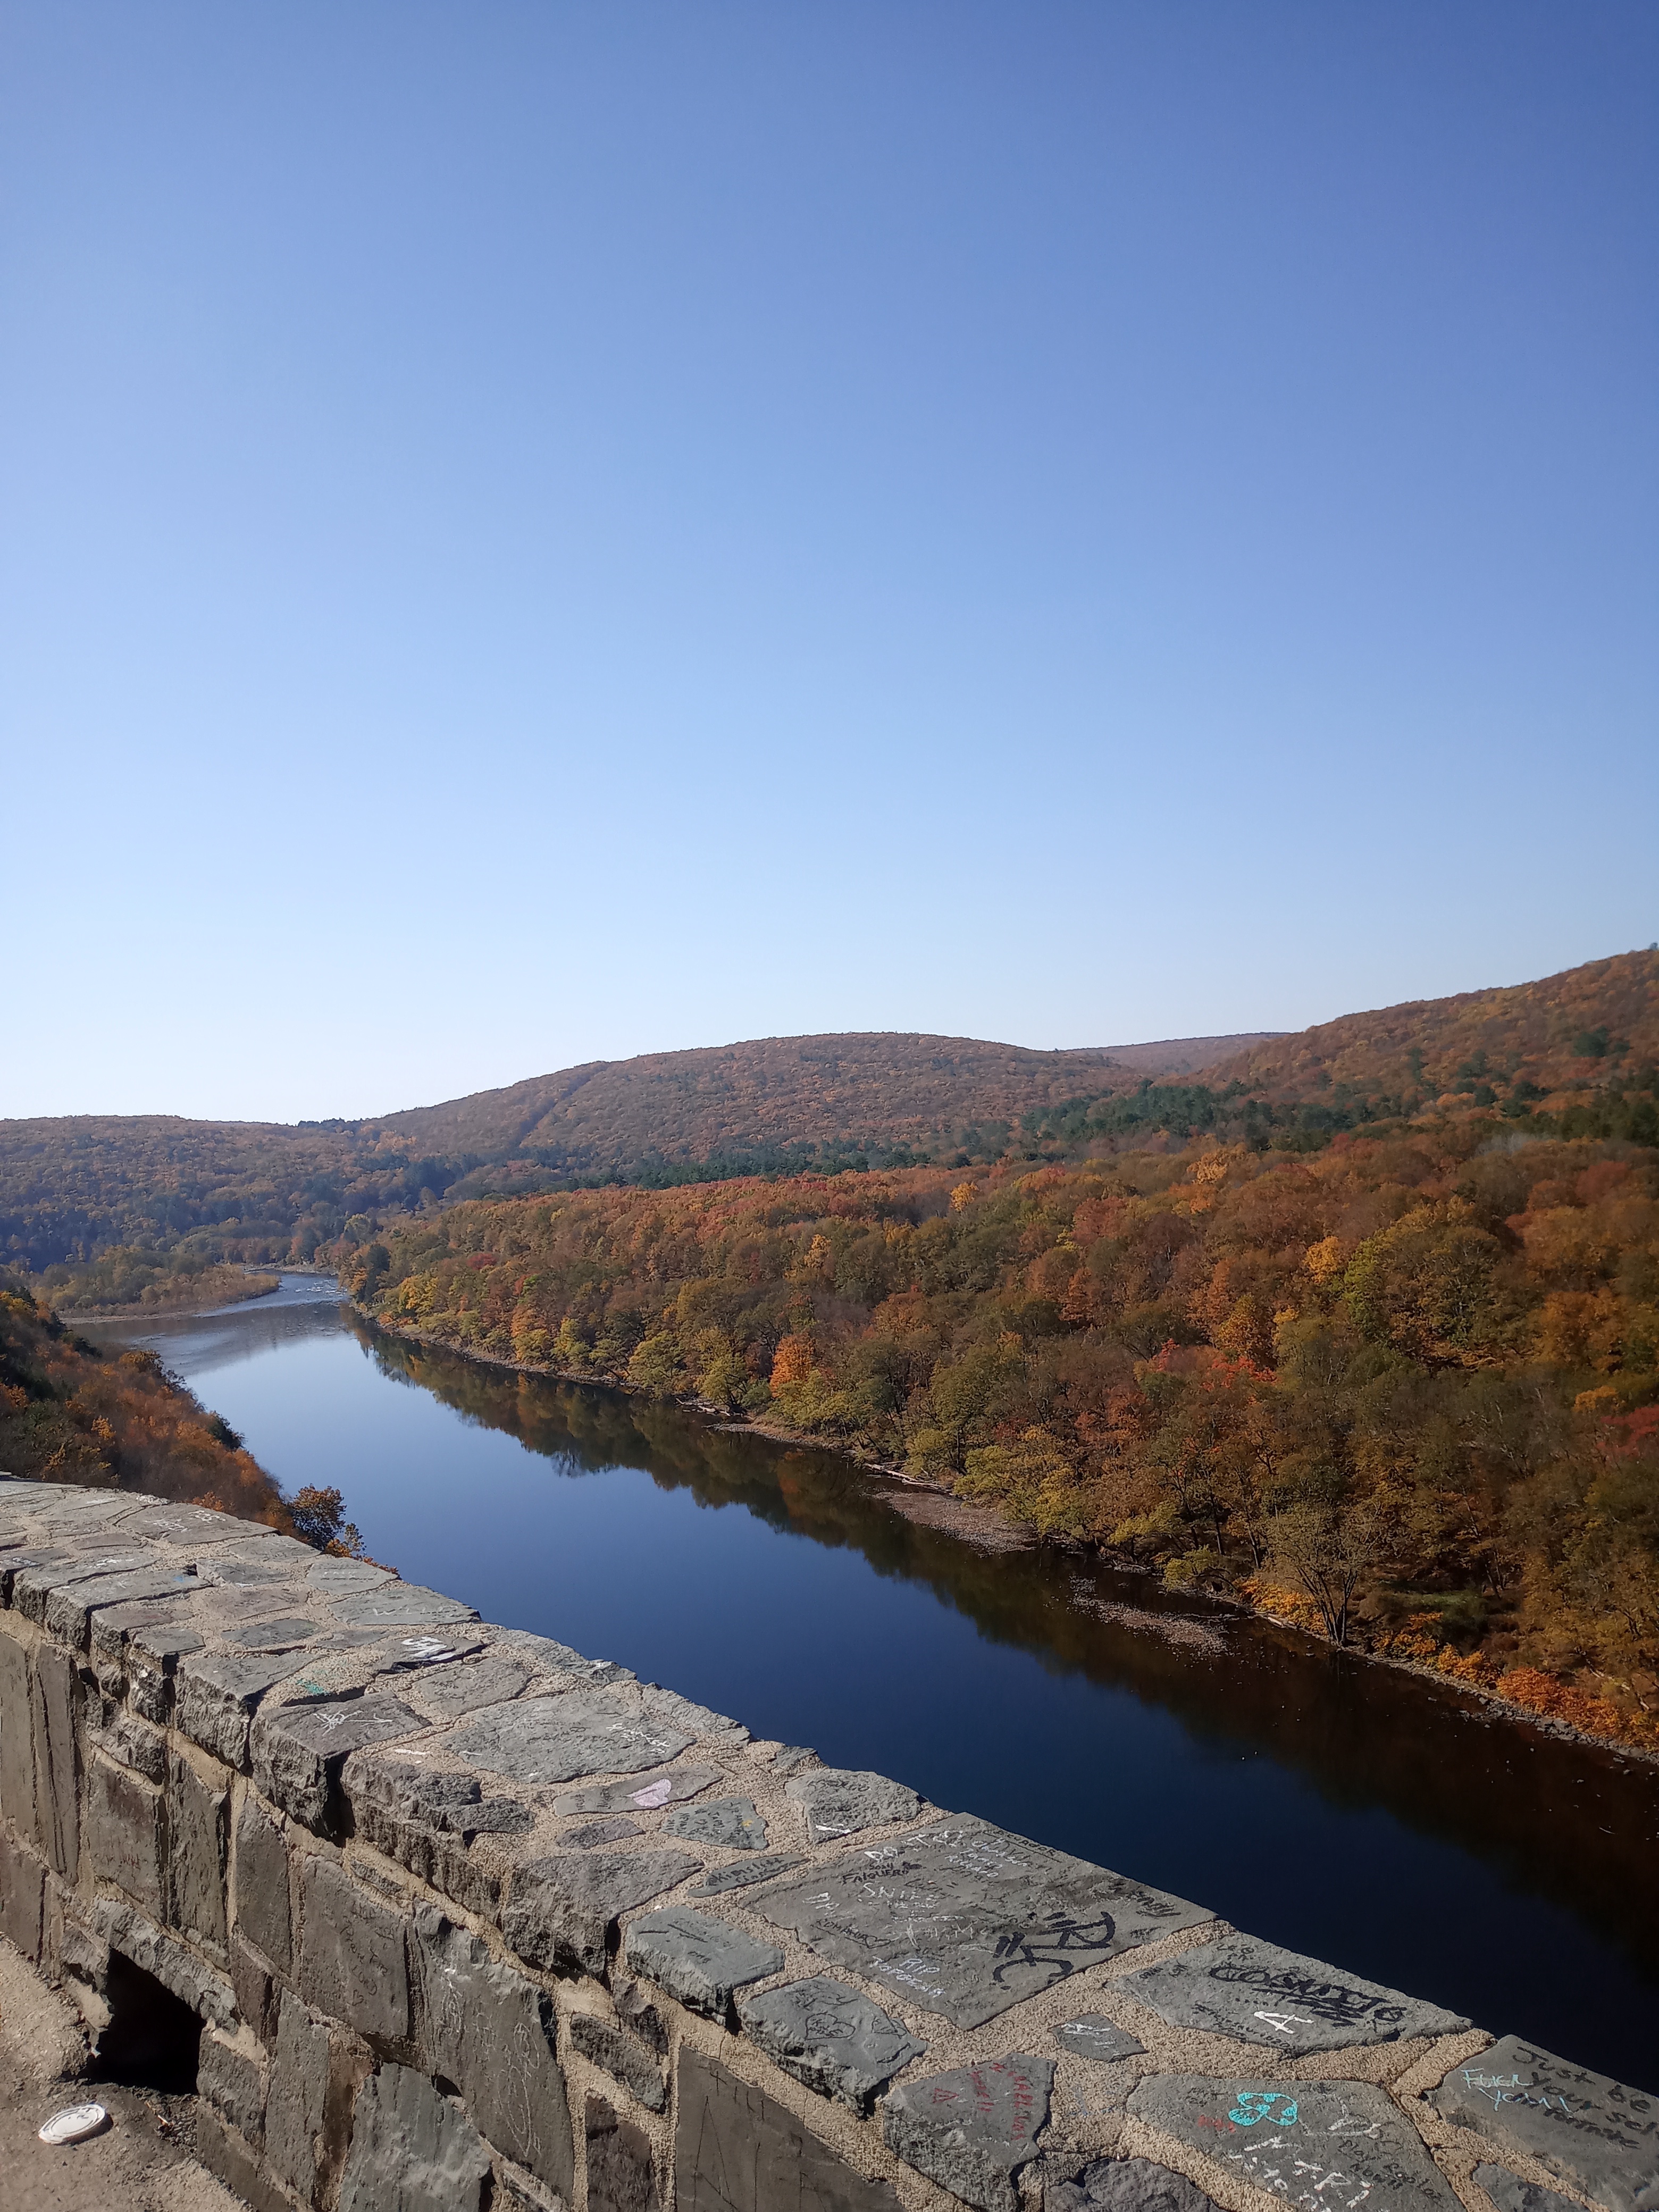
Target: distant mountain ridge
[889, 1087]
[1576, 1052]
[73, 1187]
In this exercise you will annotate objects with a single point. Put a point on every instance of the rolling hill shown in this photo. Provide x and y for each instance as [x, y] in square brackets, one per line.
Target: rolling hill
[1574, 1052]
[879, 1088]
[1562, 1037]
[76, 1187]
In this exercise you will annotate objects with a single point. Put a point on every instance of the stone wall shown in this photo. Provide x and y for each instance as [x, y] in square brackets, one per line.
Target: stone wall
[469, 1920]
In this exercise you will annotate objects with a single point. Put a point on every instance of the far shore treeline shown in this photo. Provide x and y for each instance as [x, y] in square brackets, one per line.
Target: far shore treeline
[1402, 1389]
[102, 1212]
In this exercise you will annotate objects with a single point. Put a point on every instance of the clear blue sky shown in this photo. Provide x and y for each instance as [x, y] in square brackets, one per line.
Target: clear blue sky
[535, 533]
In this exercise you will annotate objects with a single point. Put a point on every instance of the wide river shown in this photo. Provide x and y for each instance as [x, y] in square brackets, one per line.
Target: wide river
[1345, 1809]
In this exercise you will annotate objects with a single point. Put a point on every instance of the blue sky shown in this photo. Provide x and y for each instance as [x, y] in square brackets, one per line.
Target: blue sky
[541, 532]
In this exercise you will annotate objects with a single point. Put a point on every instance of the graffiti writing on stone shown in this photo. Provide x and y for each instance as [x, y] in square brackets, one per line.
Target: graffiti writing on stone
[1323, 2146]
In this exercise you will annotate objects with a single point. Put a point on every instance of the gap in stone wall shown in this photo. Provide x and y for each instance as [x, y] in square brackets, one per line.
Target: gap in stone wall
[153, 2040]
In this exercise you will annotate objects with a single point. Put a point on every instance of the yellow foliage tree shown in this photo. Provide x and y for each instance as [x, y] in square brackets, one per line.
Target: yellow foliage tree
[792, 1362]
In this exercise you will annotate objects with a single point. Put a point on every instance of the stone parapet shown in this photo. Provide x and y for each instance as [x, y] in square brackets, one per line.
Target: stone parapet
[470, 1920]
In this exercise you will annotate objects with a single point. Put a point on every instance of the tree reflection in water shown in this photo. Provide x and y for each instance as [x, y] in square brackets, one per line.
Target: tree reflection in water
[1524, 1817]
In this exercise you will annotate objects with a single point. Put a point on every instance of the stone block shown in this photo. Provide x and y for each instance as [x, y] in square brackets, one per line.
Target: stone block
[403, 1791]
[1509, 2193]
[731, 1823]
[22, 1897]
[685, 1713]
[57, 1758]
[737, 2150]
[216, 1695]
[557, 1739]
[401, 1605]
[352, 1965]
[228, 1571]
[620, 2177]
[1254, 1992]
[256, 1990]
[297, 2096]
[829, 2038]
[411, 2150]
[298, 1752]
[1124, 2184]
[237, 2164]
[31, 1587]
[337, 1578]
[544, 1656]
[71, 1607]
[263, 1913]
[135, 1743]
[151, 1657]
[491, 2032]
[283, 1555]
[442, 1861]
[1091, 2035]
[455, 1690]
[644, 1793]
[69, 1507]
[698, 1959]
[286, 1633]
[174, 1965]
[232, 2080]
[1314, 2142]
[71, 1611]
[965, 1919]
[744, 1873]
[837, 1802]
[18, 1559]
[622, 2056]
[16, 1738]
[126, 1835]
[81, 1953]
[190, 1525]
[1599, 2135]
[973, 2128]
[636, 2010]
[615, 1831]
[113, 1624]
[196, 1823]
[419, 1654]
[562, 1911]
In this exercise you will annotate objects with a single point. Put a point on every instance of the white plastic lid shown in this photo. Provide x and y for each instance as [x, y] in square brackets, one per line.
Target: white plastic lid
[73, 2123]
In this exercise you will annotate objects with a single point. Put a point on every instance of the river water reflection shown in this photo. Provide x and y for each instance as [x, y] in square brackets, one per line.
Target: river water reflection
[1343, 1809]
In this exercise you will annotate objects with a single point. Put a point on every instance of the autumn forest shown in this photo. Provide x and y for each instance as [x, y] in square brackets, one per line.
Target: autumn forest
[1359, 1326]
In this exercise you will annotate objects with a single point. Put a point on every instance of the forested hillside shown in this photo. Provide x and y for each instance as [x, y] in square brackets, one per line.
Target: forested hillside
[87, 1183]
[1575, 1054]
[1580, 1035]
[107, 1210]
[152, 1197]
[1407, 1385]
[879, 1094]
[71, 1412]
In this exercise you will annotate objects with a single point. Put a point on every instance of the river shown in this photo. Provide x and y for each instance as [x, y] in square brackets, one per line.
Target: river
[1381, 1821]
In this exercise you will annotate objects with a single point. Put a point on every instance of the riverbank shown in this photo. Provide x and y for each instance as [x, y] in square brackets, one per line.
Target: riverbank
[1559, 1711]
[1255, 1768]
[227, 1283]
